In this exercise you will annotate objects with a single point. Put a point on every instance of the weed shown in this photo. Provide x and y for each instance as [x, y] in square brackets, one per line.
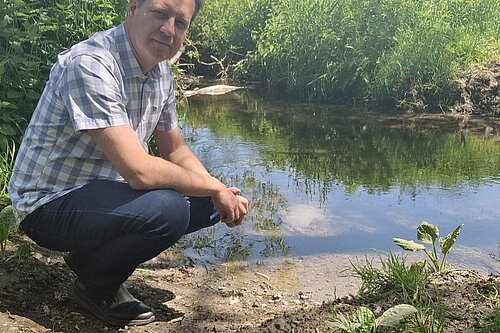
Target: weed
[364, 320]
[377, 50]
[7, 157]
[7, 225]
[492, 322]
[428, 234]
[427, 320]
[395, 276]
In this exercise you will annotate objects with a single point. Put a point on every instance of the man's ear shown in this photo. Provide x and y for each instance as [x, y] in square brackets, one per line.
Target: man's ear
[132, 6]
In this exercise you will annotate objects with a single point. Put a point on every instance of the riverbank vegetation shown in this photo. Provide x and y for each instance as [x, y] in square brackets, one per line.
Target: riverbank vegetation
[394, 295]
[375, 51]
[381, 51]
[32, 33]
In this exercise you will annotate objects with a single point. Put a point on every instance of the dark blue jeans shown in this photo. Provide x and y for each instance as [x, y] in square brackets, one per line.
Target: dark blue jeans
[110, 228]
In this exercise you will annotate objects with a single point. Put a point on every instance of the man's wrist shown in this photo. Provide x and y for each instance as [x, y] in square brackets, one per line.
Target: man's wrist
[217, 187]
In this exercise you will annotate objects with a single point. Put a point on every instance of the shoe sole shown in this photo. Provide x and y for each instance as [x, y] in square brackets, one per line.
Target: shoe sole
[87, 305]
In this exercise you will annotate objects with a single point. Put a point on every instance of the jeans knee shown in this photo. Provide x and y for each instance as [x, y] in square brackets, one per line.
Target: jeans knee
[170, 218]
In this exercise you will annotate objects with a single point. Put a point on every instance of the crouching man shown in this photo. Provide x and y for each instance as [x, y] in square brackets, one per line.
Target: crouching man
[84, 182]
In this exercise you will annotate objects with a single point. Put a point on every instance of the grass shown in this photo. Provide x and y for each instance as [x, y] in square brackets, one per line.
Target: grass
[395, 282]
[392, 283]
[492, 322]
[376, 50]
[394, 275]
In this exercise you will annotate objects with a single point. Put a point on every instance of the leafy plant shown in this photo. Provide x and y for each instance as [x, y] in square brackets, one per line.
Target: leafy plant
[428, 233]
[6, 160]
[7, 224]
[492, 324]
[32, 33]
[363, 320]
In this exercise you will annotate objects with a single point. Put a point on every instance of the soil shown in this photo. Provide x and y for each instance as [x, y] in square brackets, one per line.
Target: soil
[231, 297]
[475, 92]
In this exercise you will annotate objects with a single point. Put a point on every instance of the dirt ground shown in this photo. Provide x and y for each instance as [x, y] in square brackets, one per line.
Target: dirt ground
[230, 297]
[292, 295]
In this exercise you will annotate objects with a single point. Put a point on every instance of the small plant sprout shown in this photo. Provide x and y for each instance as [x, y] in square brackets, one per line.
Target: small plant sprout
[7, 224]
[428, 233]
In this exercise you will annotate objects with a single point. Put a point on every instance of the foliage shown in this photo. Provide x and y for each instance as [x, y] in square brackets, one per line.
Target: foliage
[394, 280]
[7, 155]
[378, 50]
[32, 33]
[226, 30]
[408, 281]
[364, 321]
[7, 225]
[428, 319]
[492, 322]
[428, 234]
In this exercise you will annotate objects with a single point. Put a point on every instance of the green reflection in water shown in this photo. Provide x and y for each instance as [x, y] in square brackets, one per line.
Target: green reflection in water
[322, 147]
[328, 145]
[264, 220]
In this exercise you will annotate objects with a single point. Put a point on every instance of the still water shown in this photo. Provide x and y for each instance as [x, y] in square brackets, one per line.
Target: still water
[328, 180]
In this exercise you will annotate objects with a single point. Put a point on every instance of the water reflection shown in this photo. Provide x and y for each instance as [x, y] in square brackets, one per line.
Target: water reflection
[323, 179]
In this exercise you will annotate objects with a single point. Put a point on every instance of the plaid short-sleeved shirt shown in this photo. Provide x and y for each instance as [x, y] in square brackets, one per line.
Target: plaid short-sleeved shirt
[97, 83]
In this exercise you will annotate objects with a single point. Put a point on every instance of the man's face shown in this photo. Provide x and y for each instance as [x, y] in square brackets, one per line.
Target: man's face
[157, 28]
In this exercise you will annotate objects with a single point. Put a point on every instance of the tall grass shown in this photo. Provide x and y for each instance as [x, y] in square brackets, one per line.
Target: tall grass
[226, 30]
[378, 50]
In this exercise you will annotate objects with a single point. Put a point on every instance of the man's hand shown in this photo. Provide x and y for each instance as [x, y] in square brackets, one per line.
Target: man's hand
[231, 206]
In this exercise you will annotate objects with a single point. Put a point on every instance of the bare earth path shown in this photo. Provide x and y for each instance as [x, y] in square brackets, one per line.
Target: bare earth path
[232, 297]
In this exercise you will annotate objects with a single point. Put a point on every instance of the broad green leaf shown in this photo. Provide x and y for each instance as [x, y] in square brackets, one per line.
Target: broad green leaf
[365, 318]
[14, 94]
[408, 245]
[427, 233]
[395, 315]
[448, 242]
[2, 67]
[31, 94]
[7, 217]
[345, 323]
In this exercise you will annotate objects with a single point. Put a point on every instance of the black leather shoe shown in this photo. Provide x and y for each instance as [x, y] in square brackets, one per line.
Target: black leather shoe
[119, 309]
[68, 259]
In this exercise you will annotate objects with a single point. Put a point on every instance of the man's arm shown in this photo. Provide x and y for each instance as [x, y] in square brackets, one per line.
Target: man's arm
[173, 148]
[143, 171]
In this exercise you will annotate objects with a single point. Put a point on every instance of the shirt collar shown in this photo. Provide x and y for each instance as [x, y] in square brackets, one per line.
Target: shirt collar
[131, 66]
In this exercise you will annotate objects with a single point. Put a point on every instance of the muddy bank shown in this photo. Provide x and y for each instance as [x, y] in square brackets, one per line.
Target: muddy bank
[474, 92]
[288, 295]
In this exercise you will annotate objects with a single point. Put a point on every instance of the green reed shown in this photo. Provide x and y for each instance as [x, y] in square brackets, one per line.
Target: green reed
[377, 50]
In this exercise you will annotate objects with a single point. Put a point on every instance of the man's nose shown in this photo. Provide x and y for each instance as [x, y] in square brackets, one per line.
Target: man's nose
[168, 28]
